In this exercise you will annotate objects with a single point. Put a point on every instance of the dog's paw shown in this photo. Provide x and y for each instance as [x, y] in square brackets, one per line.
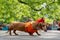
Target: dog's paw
[16, 34]
[39, 34]
[31, 35]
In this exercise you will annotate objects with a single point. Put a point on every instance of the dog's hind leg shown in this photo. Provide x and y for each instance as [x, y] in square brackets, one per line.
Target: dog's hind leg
[14, 31]
[9, 32]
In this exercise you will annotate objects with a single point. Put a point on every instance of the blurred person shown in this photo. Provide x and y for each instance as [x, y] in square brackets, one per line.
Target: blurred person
[49, 26]
[55, 25]
[58, 25]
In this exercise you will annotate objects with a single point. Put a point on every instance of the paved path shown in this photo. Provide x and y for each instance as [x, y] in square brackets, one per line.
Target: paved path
[50, 35]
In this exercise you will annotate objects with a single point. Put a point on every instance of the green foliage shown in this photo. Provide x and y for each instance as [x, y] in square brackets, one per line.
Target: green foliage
[14, 10]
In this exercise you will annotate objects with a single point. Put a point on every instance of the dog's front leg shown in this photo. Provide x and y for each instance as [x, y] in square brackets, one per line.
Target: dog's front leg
[38, 33]
[14, 31]
[31, 34]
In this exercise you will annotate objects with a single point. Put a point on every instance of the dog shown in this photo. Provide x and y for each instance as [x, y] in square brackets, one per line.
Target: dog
[29, 27]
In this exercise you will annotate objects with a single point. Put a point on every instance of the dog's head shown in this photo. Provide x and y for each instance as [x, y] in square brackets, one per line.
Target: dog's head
[41, 26]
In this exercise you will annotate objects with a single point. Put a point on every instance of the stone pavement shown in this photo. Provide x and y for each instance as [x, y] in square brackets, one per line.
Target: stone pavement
[50, 35]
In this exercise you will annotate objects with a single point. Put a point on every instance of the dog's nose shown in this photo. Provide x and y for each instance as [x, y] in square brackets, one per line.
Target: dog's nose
[45, 30]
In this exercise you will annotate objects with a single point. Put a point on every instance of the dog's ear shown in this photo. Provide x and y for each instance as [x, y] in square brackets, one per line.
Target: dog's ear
[41, 24]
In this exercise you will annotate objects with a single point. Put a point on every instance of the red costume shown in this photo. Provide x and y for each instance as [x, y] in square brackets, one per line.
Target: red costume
[29, 28]
[40, 20]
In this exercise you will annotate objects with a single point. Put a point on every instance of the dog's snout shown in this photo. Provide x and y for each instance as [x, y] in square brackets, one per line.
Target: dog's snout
[45, 30]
